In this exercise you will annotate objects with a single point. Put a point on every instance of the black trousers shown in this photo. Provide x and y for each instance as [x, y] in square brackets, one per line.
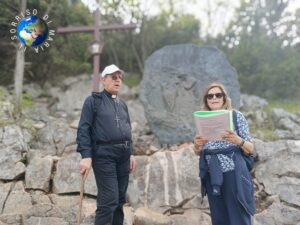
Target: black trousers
[111, 165]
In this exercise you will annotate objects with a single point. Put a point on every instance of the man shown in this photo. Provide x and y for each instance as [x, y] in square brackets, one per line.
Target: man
[104, 142]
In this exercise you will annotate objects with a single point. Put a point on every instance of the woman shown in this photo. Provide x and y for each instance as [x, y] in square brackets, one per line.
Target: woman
[223, 171]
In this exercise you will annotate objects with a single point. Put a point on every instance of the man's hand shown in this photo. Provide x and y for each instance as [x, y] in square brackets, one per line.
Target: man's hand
[132, 163]
[85, 166]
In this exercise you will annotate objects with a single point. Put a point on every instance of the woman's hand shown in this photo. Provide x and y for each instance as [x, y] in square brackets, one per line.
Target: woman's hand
[232, 137]
[199, 141]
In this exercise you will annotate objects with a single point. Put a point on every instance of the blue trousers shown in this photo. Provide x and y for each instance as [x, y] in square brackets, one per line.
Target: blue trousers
[111, 165]
[225, 208]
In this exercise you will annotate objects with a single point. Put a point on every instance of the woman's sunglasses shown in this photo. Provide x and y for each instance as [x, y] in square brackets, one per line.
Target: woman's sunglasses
[218, 95]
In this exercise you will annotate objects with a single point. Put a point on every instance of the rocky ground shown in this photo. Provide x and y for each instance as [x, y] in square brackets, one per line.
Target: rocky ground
[40, 180]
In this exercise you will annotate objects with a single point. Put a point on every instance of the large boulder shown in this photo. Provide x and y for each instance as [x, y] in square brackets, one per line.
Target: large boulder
[54, 138]
[46, 214]
[191, 217]
[279, 172]
[12, 148]
[38, 173]
[145, 216]
[287, 124]
[67, 178]
[164, 180]
[11, 219]
[18, 200]
[173, 82]
[4, 192]
[278, 213]
[252, 102]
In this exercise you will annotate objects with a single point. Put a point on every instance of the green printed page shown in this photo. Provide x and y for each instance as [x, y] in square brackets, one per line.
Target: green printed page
[210, 113]
[215, 113]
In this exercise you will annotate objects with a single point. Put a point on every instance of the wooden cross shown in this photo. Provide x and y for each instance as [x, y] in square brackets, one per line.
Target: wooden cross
[96, 29]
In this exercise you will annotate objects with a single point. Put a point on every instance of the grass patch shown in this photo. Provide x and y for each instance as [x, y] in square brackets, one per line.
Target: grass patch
[263, 128]
[3, 93]
[3, 122]
[26, 100]
[264, 133]
[289, 106]
[269, 135]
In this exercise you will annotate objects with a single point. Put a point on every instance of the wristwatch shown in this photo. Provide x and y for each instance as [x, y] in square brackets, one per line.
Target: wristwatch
[242, 143]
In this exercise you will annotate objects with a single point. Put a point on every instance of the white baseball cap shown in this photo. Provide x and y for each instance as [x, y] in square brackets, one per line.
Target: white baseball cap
[111, 69]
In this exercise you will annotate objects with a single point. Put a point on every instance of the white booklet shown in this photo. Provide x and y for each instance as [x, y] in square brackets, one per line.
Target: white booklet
[212, 124]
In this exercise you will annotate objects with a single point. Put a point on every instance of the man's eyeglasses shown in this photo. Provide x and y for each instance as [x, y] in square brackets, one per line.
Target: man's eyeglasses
[218, 95]
[116, 77]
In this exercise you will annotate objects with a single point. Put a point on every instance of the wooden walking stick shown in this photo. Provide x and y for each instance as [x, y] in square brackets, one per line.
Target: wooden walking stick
[80, 200]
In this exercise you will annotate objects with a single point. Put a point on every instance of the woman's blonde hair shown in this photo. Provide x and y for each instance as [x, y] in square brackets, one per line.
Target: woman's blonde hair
[227, 101]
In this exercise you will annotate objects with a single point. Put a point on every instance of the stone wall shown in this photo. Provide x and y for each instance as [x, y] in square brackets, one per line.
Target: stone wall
[39, 176]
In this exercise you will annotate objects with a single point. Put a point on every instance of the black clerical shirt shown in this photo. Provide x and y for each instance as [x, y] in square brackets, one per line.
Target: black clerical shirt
[110, 122]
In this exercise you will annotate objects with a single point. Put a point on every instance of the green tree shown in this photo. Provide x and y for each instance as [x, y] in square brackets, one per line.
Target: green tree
[68, 54]
[132, 49]
[265, 59]
[8, 10]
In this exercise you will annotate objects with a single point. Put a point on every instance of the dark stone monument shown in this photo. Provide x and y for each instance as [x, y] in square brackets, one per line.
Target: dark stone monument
[173, 83]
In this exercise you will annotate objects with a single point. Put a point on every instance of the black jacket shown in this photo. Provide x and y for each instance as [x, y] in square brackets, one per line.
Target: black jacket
[98, 122]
